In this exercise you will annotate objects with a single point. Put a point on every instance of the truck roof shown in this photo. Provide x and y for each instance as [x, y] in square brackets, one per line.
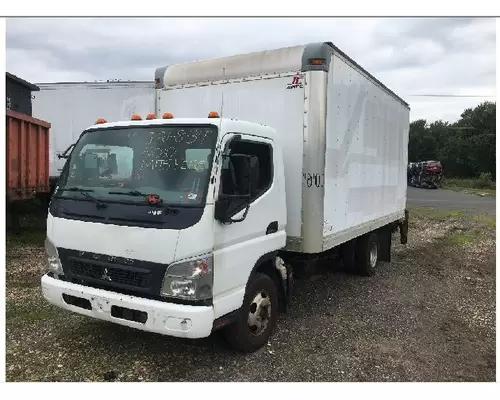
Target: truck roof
[94, 85]
[256, 64]
[226, 124]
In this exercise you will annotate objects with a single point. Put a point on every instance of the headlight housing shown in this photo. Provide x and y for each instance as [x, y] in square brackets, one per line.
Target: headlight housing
[190, 279]
[53, 261]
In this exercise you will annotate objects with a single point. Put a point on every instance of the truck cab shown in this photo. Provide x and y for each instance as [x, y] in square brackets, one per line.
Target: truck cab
[172, 226]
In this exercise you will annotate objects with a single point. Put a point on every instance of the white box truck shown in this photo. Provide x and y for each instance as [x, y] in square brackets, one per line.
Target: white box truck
[252, 167]
[72, 106]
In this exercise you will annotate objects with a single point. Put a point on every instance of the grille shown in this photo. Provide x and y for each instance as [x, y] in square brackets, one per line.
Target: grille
[111, 275]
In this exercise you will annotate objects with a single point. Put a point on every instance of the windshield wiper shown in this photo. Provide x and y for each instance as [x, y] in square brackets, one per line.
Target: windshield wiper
[84, 193]
[136, 193]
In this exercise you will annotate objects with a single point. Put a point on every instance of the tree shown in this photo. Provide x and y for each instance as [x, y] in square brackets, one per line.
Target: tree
[479, 120]
[478, 127]
[422, 145]
[466, 148]
[441, 132]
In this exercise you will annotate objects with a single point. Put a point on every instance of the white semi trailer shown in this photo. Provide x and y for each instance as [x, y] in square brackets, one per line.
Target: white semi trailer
[252, 167]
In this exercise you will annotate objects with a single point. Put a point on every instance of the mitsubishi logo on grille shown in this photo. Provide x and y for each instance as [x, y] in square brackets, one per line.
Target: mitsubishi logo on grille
[105, 276]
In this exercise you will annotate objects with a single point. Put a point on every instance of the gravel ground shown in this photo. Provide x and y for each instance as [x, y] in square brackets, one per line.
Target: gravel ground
[427, 316]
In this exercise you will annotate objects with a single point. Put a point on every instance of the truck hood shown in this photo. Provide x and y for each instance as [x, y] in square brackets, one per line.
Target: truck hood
[162, 246]
[153, 245]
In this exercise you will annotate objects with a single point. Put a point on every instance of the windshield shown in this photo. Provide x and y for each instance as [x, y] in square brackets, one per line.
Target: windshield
[127, 164]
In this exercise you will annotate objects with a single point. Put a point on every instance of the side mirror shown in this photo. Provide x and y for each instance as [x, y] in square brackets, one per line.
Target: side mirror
[244, 173]
[65, 153]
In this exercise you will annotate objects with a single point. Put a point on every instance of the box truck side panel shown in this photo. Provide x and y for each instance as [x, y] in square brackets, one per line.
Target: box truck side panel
[366, 155]
[71, 108]
[276, 101]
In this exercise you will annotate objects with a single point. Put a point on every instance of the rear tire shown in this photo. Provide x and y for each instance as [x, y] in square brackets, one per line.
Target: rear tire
[256, 321]
[368, 250]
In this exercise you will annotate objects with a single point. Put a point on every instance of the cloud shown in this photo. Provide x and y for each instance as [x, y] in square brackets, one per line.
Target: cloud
[411, 56]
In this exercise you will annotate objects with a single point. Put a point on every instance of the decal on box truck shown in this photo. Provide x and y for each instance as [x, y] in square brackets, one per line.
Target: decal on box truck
[296, 82]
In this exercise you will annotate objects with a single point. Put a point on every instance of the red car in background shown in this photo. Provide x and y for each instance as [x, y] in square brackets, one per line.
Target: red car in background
[431, 174]
[425, 174]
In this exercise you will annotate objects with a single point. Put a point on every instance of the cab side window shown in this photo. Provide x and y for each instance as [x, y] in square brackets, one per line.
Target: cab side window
[230, 172]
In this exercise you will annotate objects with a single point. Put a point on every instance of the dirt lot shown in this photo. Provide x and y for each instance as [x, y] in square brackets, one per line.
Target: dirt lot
[428, 316]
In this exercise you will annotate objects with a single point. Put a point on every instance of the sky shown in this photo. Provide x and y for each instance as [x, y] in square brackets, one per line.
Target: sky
[412, 56]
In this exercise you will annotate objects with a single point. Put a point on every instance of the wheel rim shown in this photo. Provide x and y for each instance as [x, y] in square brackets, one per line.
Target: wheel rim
[259, 313]
[373, 255]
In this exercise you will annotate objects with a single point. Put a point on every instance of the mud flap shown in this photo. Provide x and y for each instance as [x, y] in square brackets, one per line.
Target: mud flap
[286, 282]
[348, 255]
[385, 244]
[403, 228]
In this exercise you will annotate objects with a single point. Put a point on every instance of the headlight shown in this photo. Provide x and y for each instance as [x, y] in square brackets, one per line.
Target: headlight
[53, 262]
[191, 279]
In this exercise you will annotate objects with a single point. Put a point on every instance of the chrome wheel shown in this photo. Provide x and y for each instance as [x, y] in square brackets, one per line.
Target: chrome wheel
[259, 313]
[373, 255]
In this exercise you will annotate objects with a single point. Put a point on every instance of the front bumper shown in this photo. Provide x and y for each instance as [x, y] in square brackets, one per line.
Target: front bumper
[156, 316]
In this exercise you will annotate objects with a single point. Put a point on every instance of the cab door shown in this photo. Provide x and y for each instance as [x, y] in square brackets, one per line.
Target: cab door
[260, 230]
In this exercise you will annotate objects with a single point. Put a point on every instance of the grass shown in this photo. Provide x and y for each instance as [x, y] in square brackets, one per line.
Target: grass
[28, 312]
[32, 238]
[467, 229]
[33, 226]
[443, 215]
[435, 214]
[461, 238]
[27, 281]
[477, 192]
[471, 186]
[487, 221]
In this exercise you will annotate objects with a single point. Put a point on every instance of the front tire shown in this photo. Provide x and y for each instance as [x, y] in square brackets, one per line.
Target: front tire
[256, 321]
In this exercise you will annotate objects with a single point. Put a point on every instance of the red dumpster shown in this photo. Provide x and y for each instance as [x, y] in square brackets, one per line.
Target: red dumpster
[27, 156]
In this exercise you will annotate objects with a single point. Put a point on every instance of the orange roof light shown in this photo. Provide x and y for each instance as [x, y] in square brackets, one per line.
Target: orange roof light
[213, 114]
[151, 116]
[100, 121]
[168, 115]
[136, 117]
[316, 61]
